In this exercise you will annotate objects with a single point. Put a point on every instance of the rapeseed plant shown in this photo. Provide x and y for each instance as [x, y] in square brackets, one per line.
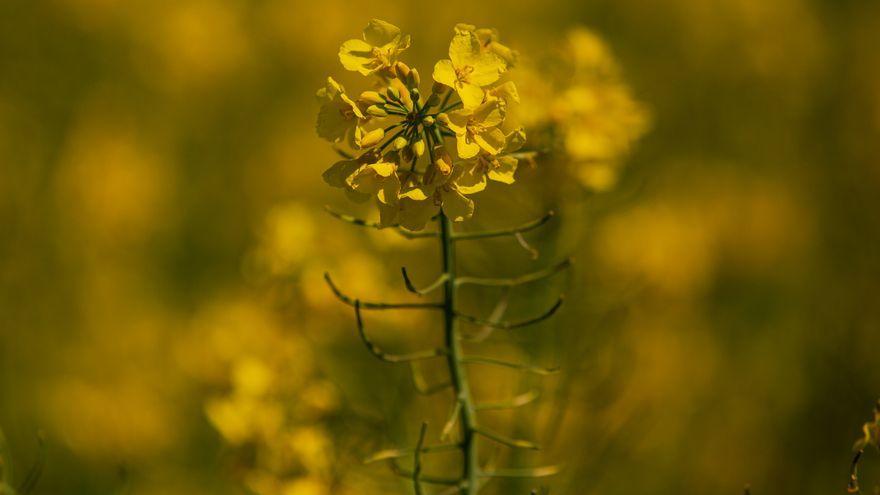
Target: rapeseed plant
[420, 157]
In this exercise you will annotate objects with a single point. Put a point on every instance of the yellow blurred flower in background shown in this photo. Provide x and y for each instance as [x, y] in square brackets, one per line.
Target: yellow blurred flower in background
[586, 107]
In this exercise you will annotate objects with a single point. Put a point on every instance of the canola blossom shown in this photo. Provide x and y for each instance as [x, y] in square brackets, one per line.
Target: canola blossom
[413, 152]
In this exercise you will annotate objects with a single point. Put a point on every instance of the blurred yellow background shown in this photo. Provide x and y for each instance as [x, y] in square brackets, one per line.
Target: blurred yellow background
[162, 242]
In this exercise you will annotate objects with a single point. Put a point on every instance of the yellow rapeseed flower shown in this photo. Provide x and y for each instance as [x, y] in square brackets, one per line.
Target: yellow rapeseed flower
[387, 163]
[469, 68]
[500, 168]
[477, 128]
[441, 191]
[488, 38]
[378, 51]
[339, 115]
[371, 175]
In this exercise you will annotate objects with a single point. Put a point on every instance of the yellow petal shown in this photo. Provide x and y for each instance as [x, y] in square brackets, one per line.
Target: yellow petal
[456, 206]
[487, 69]
[384, 169]
[506, 92]
[330, 90]
[414, 215]
[471, 179]
[332, 124]
[380, 33]
[492, 141]
[489, 114]
[464, 28]
[466, 147]
[388, 195]
[420, 193]
[355, 55]
[471, 95]
[463, 49]
[387, 213]
[370, 178]
[456, 121]
[351, 104]
[337, 174]
[357, 197]
[444, 73]
[504, 170]
[516, 139]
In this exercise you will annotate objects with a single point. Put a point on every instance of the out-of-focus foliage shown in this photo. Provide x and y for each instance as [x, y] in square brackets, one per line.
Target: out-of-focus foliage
[163, 243]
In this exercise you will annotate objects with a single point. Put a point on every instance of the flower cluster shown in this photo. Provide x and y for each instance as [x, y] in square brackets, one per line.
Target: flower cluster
[398, 143]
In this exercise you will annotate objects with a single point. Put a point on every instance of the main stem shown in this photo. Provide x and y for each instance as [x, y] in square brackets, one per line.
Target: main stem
[467, 418]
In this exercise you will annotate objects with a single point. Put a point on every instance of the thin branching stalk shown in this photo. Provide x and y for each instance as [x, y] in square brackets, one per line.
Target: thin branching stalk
[455, 358]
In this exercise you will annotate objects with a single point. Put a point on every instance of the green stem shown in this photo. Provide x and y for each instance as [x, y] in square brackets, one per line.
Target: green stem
[455, 358]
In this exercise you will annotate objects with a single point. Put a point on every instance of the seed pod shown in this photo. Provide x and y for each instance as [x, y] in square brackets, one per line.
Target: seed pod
[376, 111]
[372, 97]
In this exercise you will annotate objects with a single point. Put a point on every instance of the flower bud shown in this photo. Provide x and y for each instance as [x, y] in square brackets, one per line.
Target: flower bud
[399, 143]
[439, 89]
[403, 95]
[428, 120]
[372, 97]
[376, 111]
[402, 70]
[419, 147]
[366, 139]
[393, 93]
[414, 78]
[442, 160]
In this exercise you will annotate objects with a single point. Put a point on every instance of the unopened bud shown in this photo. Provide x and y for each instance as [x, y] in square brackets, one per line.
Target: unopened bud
[399, 143]
[414, 78]
[402, 71]
[393, 93]
[442, 160]
[372, 97]
[368, 139]
[428, 120]
[439, 89]
[419, 147]
[376, 111]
